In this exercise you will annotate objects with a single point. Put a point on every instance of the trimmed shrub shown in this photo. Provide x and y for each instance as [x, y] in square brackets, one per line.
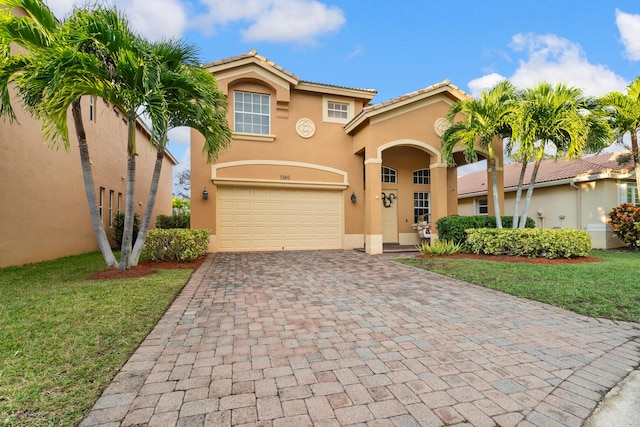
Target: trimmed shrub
[118, 228]
[176, 244]
[453, 227]
[625, 223]
[541, 242]
[179, 220]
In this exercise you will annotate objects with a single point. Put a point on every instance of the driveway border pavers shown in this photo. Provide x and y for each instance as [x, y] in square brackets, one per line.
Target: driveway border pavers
[338, 338]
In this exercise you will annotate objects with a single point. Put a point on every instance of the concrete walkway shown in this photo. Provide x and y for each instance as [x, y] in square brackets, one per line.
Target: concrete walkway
[340, 338]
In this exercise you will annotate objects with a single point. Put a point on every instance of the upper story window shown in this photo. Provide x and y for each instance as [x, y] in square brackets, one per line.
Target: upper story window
[338, 110]
[389, 175]
[92, 108]
[422, 176]
[251, 112]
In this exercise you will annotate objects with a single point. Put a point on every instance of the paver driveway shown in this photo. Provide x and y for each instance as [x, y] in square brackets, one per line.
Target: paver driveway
[336, 338]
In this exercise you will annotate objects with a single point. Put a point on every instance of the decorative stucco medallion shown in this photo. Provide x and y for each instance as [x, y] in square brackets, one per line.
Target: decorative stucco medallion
[441, 125]
[305, 128]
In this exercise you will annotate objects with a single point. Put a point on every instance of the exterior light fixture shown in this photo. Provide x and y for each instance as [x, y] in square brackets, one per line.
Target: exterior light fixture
[353, 197]
[205, 194]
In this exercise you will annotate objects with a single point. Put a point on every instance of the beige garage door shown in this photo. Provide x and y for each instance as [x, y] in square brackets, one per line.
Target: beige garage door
[258, 219]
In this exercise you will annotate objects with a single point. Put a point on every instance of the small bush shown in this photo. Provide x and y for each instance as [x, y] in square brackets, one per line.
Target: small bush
[118, 228]
[545, 242]
[453, 227]
[625, 223]
[176, 220]
[439, 247]
[176, 244]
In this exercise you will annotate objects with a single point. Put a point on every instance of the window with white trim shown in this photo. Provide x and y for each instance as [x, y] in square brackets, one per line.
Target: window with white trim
[632, 195]
[337, 110]
[252, 112]
[422, 176]
[119, 201]
[389, 175]
[421, 205]
[92, 108]
[482, 206]
[110, 208]
[101, 202]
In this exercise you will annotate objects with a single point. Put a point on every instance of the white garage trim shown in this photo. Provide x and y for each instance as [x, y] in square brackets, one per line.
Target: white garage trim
[217, 166]
[272, 218]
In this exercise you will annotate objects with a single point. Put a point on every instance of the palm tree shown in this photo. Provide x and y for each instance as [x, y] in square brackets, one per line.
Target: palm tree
[625, 112]
[35, 34]
[483, 120]
[193, 100]
[560, 118]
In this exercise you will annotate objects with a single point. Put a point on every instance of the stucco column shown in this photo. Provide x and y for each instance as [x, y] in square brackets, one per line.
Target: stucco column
[372, 207]
[452, 194]
[439, 193]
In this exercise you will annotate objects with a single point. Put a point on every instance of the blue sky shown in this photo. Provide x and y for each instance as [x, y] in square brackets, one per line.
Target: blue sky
[402, 46]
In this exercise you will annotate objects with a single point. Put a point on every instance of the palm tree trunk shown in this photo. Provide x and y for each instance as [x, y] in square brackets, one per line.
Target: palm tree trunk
[516, 208]
[532, 182]
[89, 187]
[151, 201]
[127, 232]
[635, 153]
[496, 200]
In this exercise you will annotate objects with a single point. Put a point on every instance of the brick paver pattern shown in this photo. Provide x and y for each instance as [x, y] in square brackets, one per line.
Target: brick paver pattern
[340, 338]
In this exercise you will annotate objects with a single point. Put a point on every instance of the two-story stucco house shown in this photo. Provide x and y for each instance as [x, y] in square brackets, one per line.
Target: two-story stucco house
[317, 166]
[44, 211]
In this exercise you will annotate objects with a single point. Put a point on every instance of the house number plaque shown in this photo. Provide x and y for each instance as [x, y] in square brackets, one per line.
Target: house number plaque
[285, 177]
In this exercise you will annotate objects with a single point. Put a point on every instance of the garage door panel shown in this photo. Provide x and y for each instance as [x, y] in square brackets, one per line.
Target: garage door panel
[270, 219]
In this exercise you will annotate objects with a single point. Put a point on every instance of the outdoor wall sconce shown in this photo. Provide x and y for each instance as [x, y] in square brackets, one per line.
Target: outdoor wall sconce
[353, 197]
[205, 194]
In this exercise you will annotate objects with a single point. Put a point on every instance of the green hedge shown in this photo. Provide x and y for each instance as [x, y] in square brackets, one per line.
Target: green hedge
[176, 244]
[453, 227]
[181, 220]
[545, 242]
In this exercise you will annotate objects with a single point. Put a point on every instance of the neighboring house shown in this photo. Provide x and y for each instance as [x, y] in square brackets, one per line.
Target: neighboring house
[44, 208]
[315, 166]
[575, 194]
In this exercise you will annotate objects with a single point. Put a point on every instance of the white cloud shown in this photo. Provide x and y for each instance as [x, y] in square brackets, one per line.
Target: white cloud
[556, 59]
[167, 18]
[61, 8]
[180, 135]
[629, 27]
[359, 50]
[301, 21]
[476, 86]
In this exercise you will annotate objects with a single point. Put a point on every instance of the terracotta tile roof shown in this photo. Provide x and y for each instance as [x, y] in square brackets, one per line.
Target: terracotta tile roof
[254, 54]
[414, 94]
[251, 54]
[550, 170]
[374, 91]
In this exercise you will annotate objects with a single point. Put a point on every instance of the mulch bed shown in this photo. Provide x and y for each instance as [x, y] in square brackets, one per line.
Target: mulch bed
[145, 268]
[507, 258]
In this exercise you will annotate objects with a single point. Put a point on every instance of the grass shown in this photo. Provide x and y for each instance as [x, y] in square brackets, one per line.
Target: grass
[608, 289]
[63, 338]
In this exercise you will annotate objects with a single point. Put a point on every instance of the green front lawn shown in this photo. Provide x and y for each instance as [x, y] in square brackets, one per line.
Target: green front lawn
[609, 289]
[63, 338]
